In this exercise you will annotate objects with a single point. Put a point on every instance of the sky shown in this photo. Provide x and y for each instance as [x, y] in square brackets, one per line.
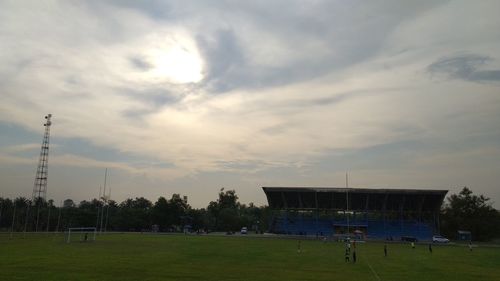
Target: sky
[193, 96]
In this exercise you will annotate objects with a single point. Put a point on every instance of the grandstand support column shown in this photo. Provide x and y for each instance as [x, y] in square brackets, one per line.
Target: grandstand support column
[332, 205]
[316, 199]
[401, 217]
[270, 225]
[284, 200]
[286, 219]
[366, 208]
[436, 222]
[384, 218]
[300, 218]
[384, 213]
[420, 207]
[316, 214]
[316, 211]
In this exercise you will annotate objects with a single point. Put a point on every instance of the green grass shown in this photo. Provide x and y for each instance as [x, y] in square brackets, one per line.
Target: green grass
[177, 257]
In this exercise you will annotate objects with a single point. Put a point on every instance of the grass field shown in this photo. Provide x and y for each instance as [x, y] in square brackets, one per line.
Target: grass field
[177, 257]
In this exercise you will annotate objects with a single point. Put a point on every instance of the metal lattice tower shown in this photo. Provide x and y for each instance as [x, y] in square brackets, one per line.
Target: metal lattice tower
[40, 186]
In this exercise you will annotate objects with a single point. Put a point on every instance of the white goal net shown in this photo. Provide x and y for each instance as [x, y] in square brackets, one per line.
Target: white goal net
[81, 234]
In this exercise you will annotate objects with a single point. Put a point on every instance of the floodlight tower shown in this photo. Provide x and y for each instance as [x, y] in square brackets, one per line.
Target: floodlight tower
[40, 186]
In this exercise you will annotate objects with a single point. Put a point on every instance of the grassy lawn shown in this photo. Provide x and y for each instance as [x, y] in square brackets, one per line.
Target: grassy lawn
[169, 257]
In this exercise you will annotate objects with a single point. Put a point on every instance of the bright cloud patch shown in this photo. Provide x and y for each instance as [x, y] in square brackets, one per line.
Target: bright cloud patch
[170, 57]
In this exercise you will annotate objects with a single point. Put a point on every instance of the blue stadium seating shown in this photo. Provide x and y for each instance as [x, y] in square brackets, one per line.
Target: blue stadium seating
[375, 229]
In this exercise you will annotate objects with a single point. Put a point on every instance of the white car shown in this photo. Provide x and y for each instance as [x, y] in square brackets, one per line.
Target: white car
[244, 230]
[439, 239]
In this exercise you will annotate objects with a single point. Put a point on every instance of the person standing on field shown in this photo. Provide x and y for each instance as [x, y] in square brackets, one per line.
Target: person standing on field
[385, 250]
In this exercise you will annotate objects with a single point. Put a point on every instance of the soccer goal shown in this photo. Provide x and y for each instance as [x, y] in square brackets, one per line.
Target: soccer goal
[81, 234]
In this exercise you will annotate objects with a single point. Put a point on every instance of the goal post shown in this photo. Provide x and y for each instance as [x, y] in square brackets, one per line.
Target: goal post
[83, 234]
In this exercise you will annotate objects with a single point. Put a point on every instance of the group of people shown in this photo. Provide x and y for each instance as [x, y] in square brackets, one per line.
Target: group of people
[348, 252]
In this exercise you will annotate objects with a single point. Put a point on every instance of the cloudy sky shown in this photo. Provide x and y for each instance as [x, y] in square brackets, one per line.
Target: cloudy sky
[191, 96]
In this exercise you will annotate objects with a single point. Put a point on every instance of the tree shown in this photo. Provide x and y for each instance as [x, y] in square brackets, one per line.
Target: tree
[466, 211]
[111, 211]
[177, 210]
[229, 219]
[134, 214]
[6, 212]
[86, 213]
[68, 203]
[23, 214]
[225, 211]
[228, 199]
[199, 219]
[171, 214]
[253, 217]
[160, 213]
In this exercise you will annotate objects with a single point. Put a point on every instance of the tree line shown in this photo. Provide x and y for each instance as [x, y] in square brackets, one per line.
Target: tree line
[139, 214]
[462, 211]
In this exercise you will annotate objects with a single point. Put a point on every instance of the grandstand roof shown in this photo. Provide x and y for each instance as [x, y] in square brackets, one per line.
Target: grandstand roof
[362, 199]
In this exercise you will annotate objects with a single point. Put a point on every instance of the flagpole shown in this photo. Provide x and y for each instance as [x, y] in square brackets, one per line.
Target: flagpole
[347, 201]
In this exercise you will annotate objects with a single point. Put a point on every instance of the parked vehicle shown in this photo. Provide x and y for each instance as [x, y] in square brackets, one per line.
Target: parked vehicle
[440, 239]
[244, 230]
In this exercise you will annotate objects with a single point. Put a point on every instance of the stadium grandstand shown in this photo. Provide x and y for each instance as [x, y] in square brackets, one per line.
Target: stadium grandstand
[393, 214]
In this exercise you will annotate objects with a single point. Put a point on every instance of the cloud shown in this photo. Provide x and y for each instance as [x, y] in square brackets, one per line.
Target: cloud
[14, 160]
[20, 148]
[226, 62]
[140, 63]
[466, 67]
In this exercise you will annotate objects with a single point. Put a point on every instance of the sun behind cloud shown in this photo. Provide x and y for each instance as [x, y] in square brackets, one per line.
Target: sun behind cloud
[176, 62]
[167, 56]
